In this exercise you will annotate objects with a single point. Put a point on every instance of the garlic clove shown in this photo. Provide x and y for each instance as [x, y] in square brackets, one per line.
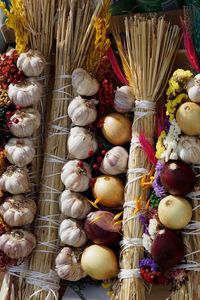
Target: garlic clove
[15, 181]
[188, 149]
[25, 93]
[68, 265]
[71, 233]
[23, 123]
[80, 142]
[18, 210]
[124, 99]
[83, 83]
[20, 152]
[18, 243]
[76, 175]
[74, 205]
[115, 161]
[32, 63]
[82, 112]
[193, 88]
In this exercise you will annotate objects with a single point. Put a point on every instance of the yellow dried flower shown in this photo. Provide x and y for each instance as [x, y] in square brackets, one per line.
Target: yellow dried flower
[16, 20]
[101, 42]
[159, 145]
[178, 82]
[171, 105]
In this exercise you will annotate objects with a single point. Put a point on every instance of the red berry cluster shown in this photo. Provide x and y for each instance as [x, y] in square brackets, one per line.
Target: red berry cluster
[98, 160]
[9, 73]
[152, 277]
[105, 98]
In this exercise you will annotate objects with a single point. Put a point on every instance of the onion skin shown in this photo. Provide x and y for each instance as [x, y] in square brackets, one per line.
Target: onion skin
[177, 178]
[174, 212]
[109, 190]
[99, 262]
[187, 117]
[117, 129]
[101, 228]
[167, 249]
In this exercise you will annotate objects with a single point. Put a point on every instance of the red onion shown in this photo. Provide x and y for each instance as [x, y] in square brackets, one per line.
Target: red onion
[101, 228]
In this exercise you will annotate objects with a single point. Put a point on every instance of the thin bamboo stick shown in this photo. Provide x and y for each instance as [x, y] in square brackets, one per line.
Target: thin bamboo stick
[151, 44]
[73, 17]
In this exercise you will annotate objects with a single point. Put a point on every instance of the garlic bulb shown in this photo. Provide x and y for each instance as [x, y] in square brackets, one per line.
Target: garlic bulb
[18, 243]
[188, 149]
[18, 210]
[25, 93]
[68, 264]
[193, 88]
[83, 83]
[124, 99]
[74, 205]
[76, 175]
[20, 152]
[81, 142]
[115, 161]
[24, 122]
[15, 181]
[71, 233]
[82, 112]
[32, 63]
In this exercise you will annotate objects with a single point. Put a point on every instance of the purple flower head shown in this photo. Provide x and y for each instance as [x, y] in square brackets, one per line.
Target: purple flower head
[144, 220]
[157, 185]
[167, 124]
[148, 263]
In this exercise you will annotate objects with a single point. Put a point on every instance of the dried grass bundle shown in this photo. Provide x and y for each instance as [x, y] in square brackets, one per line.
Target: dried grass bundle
[74, 34]
[147, 53]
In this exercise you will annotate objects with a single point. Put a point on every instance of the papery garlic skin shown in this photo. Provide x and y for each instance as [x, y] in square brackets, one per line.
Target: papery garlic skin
[18, 210]
[124, 99]
[74, 205]
[25, 93]
[32, 63]
[193, 88]
[71, 233]
[18, 243]
[20, 152]
[15, 181]
[82, 112]
[115, 161]
[23, 123]
[80, 142]
[68, 265]
[188, 149]
[76, 178]
[83, 83]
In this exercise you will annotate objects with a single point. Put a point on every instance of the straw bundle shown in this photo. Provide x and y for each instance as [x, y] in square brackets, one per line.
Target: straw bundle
[150, 47]
[74, 33]
[40, 15]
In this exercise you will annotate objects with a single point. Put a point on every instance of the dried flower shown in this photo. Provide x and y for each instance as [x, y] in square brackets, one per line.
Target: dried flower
[154, 200]
[147, 242]
[158, 187]
[16, 20]
[149, 271]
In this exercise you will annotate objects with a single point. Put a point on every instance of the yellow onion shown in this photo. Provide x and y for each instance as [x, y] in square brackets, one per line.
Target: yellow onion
[109, 190]
[99, 262]
[117, 129]
[187, 117]
[174, 212]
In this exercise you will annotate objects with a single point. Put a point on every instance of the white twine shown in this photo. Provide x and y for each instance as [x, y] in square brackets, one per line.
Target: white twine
[129, 273]
[54, 219]
[142, 171]
[54, 159]
[45, 281]
[51, 190]
[18, 270]
[192, 253]
[129, 243]
[149, 106]
[51, 244]
[193, 227]
[190, 266]
[195, 195]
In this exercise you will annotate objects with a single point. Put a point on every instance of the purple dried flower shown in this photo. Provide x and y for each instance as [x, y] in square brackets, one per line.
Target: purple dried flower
[144, 220]
[148, 263]
[178, 275]
[157, 185]
[167, 124]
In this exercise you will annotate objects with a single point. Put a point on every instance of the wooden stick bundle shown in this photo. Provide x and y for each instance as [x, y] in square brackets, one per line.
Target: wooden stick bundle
[149, 50]
[74, 33]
